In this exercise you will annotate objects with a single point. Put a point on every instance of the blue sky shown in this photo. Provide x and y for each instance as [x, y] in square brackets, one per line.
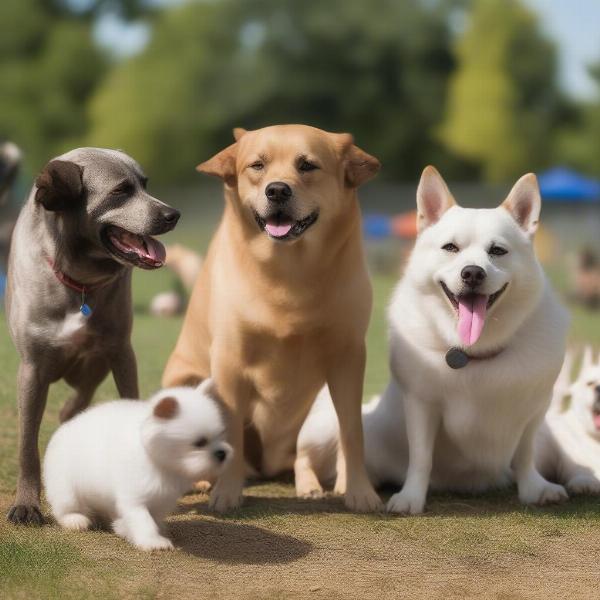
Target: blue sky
[573, 24]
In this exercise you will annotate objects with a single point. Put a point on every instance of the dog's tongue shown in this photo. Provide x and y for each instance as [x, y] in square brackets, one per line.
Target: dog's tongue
[277, 229]
[471, 317]
[597, 422]
[155, 249]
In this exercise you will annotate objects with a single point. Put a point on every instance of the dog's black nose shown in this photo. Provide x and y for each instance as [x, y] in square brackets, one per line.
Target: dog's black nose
[473, 275]
[597, 390]
[171, 216]
[220, 455]
[278, 191]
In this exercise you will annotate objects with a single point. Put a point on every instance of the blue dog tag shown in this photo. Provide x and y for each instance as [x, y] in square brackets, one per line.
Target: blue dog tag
[85, 310]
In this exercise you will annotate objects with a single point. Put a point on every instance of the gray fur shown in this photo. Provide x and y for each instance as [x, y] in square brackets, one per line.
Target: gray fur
[53, 339]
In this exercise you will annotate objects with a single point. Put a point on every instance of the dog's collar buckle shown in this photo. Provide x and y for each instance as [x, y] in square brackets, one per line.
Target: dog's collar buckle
[457, 358]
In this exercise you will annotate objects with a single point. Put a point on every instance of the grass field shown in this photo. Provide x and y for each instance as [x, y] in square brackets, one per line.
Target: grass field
[279, 547]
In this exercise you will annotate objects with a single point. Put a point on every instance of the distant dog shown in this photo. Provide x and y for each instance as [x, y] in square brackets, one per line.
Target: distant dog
[127, 462]
[10, 162]
[477, 339]
[568, 443]
[88, 220]
[283, 300]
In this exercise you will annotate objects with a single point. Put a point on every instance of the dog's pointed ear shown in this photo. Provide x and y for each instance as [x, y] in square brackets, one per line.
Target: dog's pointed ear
[166, 408]
[59, 185]
[239, 133]
[587, 360]
[433, 198]
[359, 166]
[524, 203]
[222, 165]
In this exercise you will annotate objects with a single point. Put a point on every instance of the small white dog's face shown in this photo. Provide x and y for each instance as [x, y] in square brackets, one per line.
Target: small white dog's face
[585, 399]
[479, 264]
[186, 432]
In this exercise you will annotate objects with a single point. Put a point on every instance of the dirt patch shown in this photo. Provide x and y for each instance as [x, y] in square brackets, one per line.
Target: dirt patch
[279, 547]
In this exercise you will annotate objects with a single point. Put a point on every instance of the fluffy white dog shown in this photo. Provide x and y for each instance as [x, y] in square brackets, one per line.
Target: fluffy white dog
[127, 462]
[477, 339]
[568, 443]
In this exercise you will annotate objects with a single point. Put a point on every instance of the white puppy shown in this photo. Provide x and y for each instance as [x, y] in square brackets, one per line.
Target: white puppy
[477, 340]
[568, 443]
[127, 462]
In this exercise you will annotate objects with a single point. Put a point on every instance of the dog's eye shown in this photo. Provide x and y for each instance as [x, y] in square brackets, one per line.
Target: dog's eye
[257, 165]
[123, 189]
[591, 383]
[305, 166]
[450, 247]
[201, 443]
[497, 251]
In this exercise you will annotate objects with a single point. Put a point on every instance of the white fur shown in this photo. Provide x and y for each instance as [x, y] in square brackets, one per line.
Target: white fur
[121, 463]
[568, 443]
[469, 429]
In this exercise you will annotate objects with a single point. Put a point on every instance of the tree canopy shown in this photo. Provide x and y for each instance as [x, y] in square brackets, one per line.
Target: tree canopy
[504, 98]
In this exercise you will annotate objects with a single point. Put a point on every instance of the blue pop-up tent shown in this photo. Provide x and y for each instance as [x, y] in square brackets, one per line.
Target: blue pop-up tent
[567, 185]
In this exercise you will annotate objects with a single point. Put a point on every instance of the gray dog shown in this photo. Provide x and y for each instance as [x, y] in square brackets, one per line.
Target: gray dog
[87, 221]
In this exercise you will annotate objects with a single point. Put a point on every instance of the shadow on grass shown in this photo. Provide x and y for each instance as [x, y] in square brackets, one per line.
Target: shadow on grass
[261, 500]
[236, 543]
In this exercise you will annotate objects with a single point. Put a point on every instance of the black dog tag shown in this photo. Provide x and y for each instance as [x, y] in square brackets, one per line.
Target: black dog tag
[457, 358]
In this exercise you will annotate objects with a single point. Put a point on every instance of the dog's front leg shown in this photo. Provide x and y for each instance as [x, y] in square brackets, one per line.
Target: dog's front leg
[345, 380]
[32, 395]
[124, 368]
[235, 393]
[138, 527]
[533, 488]
[422, 423]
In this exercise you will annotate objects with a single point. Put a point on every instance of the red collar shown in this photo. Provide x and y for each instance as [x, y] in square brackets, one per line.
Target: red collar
[72, 283]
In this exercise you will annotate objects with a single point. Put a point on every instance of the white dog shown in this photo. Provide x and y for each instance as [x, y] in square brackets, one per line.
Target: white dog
[568, 443]
[477, 340]
[128, 461]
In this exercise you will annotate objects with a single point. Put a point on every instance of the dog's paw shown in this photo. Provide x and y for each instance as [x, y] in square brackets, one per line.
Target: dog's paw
[364, 500]
[202, 487]
[406, 503]
[25, 514]
[583, 484]
[542, 492]
[308, 487]
[74, 521]
[223, 499]
[154, 543]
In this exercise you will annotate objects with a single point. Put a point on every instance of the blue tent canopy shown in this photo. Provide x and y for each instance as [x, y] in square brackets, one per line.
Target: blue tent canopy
[564, 184]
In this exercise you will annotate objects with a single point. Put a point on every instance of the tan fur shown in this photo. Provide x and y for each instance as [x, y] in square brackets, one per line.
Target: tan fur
[273, 321]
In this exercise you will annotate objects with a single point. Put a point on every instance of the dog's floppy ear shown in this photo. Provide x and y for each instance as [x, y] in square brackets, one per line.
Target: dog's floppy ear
[221, 165]
[166, 408]
[239, 133]
[359, 166]
[433, 198]
[59, 185]
[524, 203]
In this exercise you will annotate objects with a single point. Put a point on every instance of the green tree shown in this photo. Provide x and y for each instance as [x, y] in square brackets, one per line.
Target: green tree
[49, 68]
[579, 140]
[504, 97]
[378, 69]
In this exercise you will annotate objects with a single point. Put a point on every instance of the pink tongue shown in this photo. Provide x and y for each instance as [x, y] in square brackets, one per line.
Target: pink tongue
[471, 317]
[597, 421]
[156, 250]
[278, 230]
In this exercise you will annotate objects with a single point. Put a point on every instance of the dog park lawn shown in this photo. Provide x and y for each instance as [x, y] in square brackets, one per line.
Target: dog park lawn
[277, 546]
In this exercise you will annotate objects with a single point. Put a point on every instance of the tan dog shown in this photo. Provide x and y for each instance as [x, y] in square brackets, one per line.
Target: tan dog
[283, 301]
